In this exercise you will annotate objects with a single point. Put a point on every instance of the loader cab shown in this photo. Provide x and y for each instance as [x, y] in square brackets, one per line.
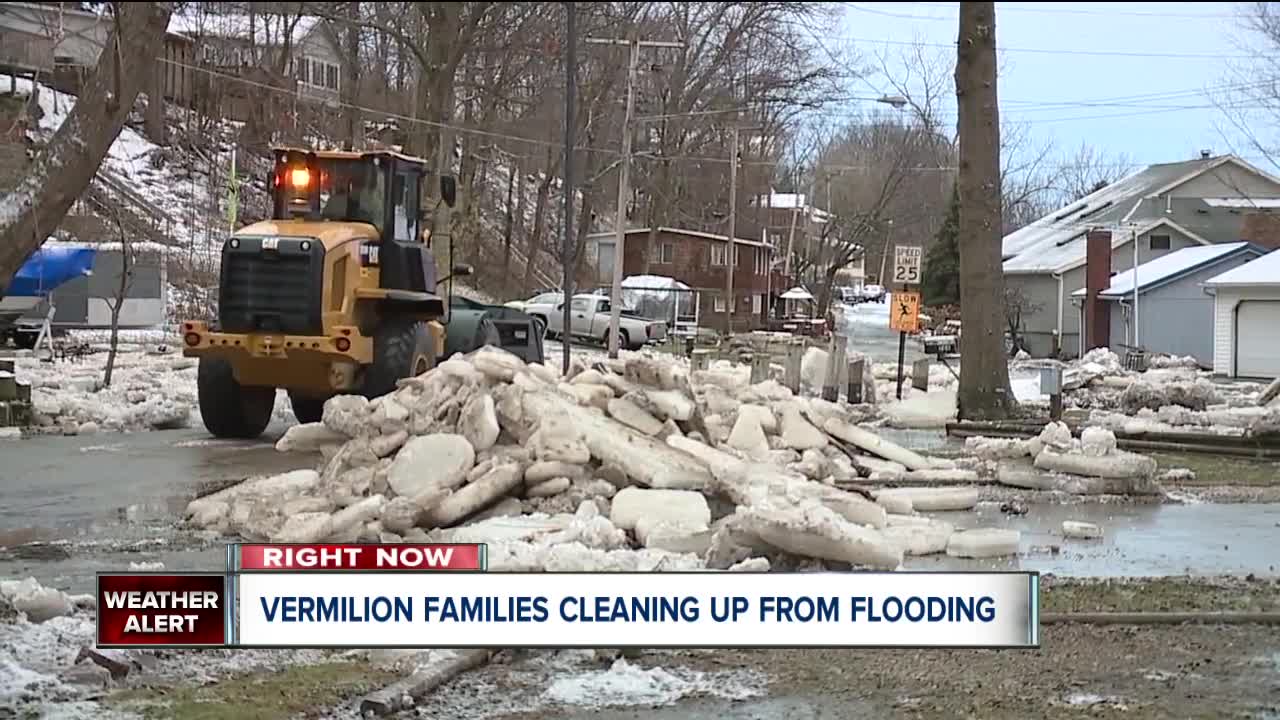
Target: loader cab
[380, 190]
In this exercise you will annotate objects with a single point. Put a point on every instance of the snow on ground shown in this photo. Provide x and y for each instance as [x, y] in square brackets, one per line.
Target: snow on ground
[176, 188]
[869, 313]
[148, 391]
[624, 684]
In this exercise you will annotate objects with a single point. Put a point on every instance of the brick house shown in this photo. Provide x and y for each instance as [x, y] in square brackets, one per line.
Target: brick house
[697, 259]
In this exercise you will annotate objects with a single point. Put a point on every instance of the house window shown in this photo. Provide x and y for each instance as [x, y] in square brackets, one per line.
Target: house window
[717, 256]
[762, 263]
[331, 77]
[317, 74]
[757, 303]
[719, 304]
[668, 255]
[304, 69]
[1160, 242]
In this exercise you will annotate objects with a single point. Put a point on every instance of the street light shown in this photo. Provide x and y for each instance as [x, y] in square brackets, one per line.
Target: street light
[897, 101]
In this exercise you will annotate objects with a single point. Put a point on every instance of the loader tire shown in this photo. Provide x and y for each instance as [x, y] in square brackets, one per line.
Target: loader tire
[306, 409]
[401, 349]
[229, 409]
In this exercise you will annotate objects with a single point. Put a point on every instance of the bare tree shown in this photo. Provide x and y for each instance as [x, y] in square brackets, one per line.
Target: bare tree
[984, 375]
[1249, 99]
[116, 303]
[1017, 305]
[65, 166]
[1089, 170]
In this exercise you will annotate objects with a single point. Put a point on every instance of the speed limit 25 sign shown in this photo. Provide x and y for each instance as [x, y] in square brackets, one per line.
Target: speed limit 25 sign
[906, 264]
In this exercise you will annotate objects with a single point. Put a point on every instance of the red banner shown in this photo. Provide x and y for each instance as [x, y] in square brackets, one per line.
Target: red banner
[148, 610]
[395, 556]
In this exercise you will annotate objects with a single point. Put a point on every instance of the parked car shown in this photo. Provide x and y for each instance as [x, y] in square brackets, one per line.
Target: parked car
[873, 293]
[541, 300]
[590, 320]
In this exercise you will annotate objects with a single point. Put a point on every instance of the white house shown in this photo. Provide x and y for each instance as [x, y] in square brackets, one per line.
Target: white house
[1246, 325]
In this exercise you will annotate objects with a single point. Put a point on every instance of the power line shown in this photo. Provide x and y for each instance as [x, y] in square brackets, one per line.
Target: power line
[1038, 50]
[1006, 7]
[610, 151]
[1051, 51]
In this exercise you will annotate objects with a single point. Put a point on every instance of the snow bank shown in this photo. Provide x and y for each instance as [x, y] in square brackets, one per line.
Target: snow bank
[147, 392]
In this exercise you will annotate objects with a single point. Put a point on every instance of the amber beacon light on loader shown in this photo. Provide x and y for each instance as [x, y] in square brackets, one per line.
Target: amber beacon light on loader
[337, 293]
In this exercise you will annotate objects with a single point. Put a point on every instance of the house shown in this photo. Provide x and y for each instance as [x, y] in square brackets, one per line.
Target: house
[62, 45]
[1246, 319]
[297, 53]
[1174, 314]
[790, 222]
[697, 259]
[1163, 208]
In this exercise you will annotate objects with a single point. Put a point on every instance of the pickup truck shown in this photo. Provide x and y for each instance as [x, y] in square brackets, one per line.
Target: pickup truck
[589, 316]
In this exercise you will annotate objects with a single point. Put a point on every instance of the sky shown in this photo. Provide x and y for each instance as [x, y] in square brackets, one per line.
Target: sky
[1049, 75]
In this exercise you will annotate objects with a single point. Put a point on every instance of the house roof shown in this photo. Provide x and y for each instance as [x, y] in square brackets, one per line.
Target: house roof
[1263, 272]
[1167, 268]
[1056, 241]
[1071, 254]
[268, 30]
[791, 201]
[607, 238]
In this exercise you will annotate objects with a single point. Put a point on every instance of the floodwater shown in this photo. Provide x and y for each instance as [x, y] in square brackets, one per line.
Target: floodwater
[73, 506]
[1138, 540]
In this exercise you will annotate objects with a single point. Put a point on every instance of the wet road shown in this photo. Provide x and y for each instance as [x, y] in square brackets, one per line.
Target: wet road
[105, 500]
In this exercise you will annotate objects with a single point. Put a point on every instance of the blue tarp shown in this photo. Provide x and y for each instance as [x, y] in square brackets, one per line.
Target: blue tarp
[48, 268]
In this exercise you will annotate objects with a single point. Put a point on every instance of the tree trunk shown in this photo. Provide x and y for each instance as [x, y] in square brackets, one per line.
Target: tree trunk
[126, 279]
[509, 220]
[984, 374]
[582, 230]
[535, 240]
[351, 84]
[64, 168]
[153, 122]
[517, 225]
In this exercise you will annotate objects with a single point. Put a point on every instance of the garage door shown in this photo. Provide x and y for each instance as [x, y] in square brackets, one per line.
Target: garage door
[1258, 339]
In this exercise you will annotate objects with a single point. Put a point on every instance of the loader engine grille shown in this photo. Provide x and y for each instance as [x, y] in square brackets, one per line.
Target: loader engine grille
[271, 285]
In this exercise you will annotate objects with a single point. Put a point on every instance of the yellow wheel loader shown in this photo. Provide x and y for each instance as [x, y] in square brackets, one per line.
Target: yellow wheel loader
[336, 294]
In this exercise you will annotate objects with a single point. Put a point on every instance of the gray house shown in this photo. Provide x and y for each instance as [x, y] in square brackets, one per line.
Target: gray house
[1164, 208]
[1175, 314]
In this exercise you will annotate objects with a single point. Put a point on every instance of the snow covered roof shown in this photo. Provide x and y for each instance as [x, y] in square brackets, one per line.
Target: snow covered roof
[607, 238]
[1056, 241]
[1243, 202]
[1265, 271]
[792, 201]
[1167, 267]
[267, 29]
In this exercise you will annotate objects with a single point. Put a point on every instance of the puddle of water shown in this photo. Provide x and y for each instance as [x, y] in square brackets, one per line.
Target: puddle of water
[1138, 540]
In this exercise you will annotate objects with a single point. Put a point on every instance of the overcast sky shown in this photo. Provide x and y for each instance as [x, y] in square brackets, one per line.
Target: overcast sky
[1051, 74]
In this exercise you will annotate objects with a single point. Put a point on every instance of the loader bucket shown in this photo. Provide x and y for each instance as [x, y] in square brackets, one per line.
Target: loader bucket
[517, 332]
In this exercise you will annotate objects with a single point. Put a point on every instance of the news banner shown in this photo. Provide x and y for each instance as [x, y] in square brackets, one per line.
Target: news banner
[442, 596]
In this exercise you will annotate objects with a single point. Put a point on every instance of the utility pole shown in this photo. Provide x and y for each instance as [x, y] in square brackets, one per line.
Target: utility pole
[731, 254]
[570, 125]
[624, 180]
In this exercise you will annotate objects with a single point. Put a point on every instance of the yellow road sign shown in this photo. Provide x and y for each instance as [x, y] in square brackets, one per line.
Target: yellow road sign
[904, 314]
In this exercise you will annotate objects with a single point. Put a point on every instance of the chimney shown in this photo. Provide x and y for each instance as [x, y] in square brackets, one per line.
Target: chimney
[1097, 315]
[1204, 154]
